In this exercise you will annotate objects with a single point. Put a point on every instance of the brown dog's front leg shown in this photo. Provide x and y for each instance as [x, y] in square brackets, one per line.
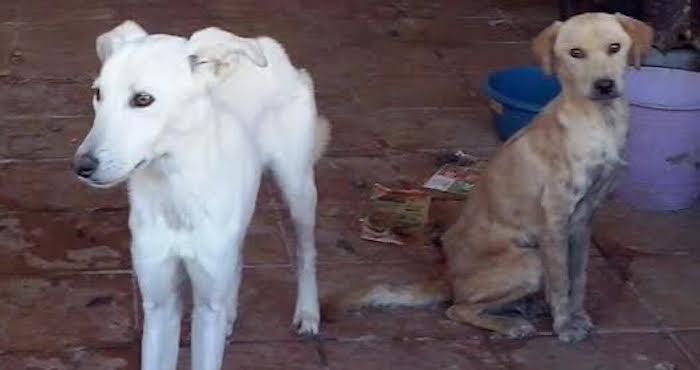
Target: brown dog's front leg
[559, 208]
[555, 256]
[579, 241]
[579, 245]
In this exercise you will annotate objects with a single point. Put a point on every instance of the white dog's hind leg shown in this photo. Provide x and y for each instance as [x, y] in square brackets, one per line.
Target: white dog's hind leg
[160, 283]
[300, 194]
[293, 141]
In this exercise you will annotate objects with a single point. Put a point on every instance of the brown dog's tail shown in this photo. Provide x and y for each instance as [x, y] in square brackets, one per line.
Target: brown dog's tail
[388, 295]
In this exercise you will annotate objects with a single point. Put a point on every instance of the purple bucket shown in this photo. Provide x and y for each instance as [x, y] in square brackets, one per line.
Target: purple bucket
[663, 148]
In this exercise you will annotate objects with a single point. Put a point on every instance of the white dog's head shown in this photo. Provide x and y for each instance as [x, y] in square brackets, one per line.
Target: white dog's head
[589, 52]
[145, 85]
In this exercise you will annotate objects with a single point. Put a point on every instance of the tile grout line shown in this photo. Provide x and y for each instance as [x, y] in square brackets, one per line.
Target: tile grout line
[67, 273]
[679, 344]
[685, 329]
[663, 328]
[371, 112]
[430, 108]
[125, 345]
[65, 210]
[388, 152]
[37, 160]
[27, 117]
[642, 330]
[20, 80]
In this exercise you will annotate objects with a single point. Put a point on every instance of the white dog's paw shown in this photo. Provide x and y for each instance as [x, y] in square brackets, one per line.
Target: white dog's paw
[306, 323]
[231, 322]
[229, 328]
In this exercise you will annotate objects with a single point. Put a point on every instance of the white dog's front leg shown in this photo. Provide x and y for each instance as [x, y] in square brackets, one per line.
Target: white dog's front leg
[208, 334]
[232, 309]
[214, 282]
[160, 283]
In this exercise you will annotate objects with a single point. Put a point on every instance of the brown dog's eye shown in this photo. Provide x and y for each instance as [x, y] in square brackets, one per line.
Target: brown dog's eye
[96, 91]
[577, 53]
[613, 48]
[142, 100]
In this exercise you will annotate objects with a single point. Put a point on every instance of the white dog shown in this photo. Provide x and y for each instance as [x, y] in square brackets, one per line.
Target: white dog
[190, 124]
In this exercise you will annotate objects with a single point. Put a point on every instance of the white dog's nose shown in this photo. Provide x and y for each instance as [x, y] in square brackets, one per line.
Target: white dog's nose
[85, 165]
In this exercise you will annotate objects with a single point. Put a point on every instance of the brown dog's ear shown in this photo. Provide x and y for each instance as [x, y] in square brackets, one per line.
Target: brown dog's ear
[642, 37]
[543, 46]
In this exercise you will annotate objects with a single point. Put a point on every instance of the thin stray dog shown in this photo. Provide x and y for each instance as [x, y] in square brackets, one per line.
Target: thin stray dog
[191, 124]
[526, 226]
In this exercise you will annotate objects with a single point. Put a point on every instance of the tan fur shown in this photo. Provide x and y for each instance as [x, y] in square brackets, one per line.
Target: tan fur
[542, 46]
[526, 226]
[642, 37]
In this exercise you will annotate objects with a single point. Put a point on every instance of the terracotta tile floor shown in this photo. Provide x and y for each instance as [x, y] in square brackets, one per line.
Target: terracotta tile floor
[401, 81]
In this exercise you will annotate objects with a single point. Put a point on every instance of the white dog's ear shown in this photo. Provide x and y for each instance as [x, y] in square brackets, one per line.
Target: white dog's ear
[642, 37]
[109, 42]
[543, 46]
[219, 51]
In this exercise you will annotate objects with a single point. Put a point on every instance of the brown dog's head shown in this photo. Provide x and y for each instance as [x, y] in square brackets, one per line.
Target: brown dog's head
[589, 52]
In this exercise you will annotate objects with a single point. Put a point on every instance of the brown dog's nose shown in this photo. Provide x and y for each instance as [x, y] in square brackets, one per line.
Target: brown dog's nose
[604, 86]
[85, 165]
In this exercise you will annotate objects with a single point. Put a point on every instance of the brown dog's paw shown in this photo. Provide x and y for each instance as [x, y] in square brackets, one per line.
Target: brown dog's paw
[583, 320]
[522, 330]
[575, 329]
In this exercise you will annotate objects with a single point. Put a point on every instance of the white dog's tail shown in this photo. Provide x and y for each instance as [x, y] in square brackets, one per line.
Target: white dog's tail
[322, 136]
[387, 295]
[323, 126]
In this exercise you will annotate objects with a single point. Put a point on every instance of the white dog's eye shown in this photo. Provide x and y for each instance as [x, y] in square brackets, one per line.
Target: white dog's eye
[96, 92]
[613, 48]
[141, 100]
[577, 53]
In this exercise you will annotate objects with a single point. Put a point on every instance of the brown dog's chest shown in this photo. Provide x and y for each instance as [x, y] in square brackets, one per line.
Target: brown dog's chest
[595, 147]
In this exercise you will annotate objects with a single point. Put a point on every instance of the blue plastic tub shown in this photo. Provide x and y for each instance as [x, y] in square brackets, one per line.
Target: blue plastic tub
[517, 95]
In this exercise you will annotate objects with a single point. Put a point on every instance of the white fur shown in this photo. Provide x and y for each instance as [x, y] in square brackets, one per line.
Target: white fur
[225, 109]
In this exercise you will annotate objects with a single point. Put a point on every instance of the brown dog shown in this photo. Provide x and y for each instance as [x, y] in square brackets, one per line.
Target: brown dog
[526, 226]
